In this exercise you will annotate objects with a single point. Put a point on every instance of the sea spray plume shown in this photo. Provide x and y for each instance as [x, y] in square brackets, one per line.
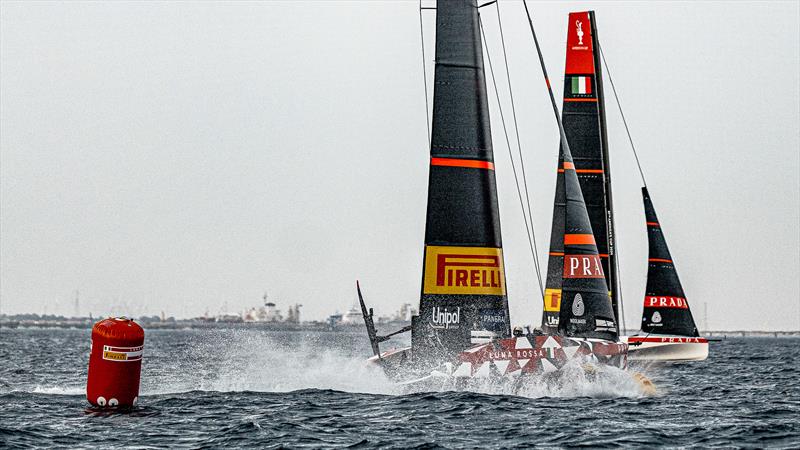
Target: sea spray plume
[262, 361]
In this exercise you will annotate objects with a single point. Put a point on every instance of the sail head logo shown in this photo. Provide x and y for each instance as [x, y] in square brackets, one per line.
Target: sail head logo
[656, 317]
[464, 270]
[578, 308]
[577, 305]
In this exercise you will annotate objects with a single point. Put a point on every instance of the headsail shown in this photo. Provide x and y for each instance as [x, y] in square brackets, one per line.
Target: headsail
[463, 283]
[586, 309]
[666, 310]
[584, 124]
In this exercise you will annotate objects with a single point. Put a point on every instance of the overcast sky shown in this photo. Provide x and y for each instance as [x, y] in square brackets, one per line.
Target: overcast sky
[184, 156]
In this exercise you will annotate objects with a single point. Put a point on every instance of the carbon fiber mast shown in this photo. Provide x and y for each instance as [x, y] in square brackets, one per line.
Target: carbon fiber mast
[584, 124]
[666, 310]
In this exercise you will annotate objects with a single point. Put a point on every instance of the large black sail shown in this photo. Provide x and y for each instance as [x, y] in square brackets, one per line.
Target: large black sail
[463, 285]
[586, 309]
[584, 124]
[666, 310]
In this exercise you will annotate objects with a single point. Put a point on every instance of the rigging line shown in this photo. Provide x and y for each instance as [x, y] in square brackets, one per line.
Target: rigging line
[508, 145]
[621, 301]
[424, 74]
[564, 142]
[641, 173]
[519, 150]
[619, 106]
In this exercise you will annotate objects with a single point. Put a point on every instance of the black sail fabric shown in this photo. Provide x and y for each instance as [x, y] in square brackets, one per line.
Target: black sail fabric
[666, 310]
[584, 124]
[463, 287]
[586, 309]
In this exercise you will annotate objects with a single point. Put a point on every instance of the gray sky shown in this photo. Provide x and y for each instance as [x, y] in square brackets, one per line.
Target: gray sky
[180, 156]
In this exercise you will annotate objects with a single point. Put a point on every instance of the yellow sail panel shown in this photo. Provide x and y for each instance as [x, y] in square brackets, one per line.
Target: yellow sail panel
[464, 270]
[552, 300]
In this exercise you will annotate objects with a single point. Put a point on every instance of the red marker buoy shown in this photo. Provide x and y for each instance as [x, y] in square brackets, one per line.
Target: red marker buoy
[115, 363]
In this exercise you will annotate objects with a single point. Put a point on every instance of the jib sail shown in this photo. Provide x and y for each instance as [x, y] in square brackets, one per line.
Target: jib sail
[586, 309]
[666, 310]
[584, 124]
[463, 284]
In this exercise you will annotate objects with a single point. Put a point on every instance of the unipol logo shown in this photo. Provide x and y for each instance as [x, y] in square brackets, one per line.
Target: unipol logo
[653, 301]
[656, 317]
[579, 30]
[577, 305]
[582, 266]
[443, 319]
[464, 270]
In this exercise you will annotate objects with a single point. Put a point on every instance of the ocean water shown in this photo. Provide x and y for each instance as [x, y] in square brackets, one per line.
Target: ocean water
[253, 388]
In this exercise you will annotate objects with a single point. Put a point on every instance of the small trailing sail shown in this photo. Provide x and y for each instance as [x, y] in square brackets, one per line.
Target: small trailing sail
[584, 124]
[666, 310]
[463, 286]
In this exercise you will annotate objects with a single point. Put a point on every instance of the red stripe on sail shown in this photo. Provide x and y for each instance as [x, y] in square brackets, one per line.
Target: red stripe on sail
[584, 170]
[470, 163]
[583, 266]
[653, 224]
[660, 260]
[579, 239]
[580, 99]
[654, 301]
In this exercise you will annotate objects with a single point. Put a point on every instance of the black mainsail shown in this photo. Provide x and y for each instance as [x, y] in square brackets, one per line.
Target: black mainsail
[463, 284]
[666, 310]
[585, 127]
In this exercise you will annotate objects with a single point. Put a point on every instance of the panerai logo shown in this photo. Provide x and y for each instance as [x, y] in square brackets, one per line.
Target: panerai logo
[444, 319]
[579, 29]
[577, 305]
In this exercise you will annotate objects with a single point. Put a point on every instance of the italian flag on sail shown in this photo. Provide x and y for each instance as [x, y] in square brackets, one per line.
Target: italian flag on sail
[581, 85]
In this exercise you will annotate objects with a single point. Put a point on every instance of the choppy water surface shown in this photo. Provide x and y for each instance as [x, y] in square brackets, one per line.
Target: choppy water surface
[250, 388]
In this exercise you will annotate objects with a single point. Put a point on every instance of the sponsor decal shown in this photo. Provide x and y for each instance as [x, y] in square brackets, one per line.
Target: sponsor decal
[493, 320]
[520, 353]
[577, 305]
[464, 270]
[583, 266]
[656, 317]
[652, 301]
[123, 354]
[684, 340]
[580, 59]
[604, 325]
[577, 310]
[670, 339]
[442, 319]
[552, 320]
[581, 85]
[552, 300]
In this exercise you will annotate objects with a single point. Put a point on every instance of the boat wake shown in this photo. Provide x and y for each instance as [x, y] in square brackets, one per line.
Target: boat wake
[247, 362]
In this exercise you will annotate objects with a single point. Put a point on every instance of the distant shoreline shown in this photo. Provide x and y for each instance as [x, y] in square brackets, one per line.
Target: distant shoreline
[86, 324]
